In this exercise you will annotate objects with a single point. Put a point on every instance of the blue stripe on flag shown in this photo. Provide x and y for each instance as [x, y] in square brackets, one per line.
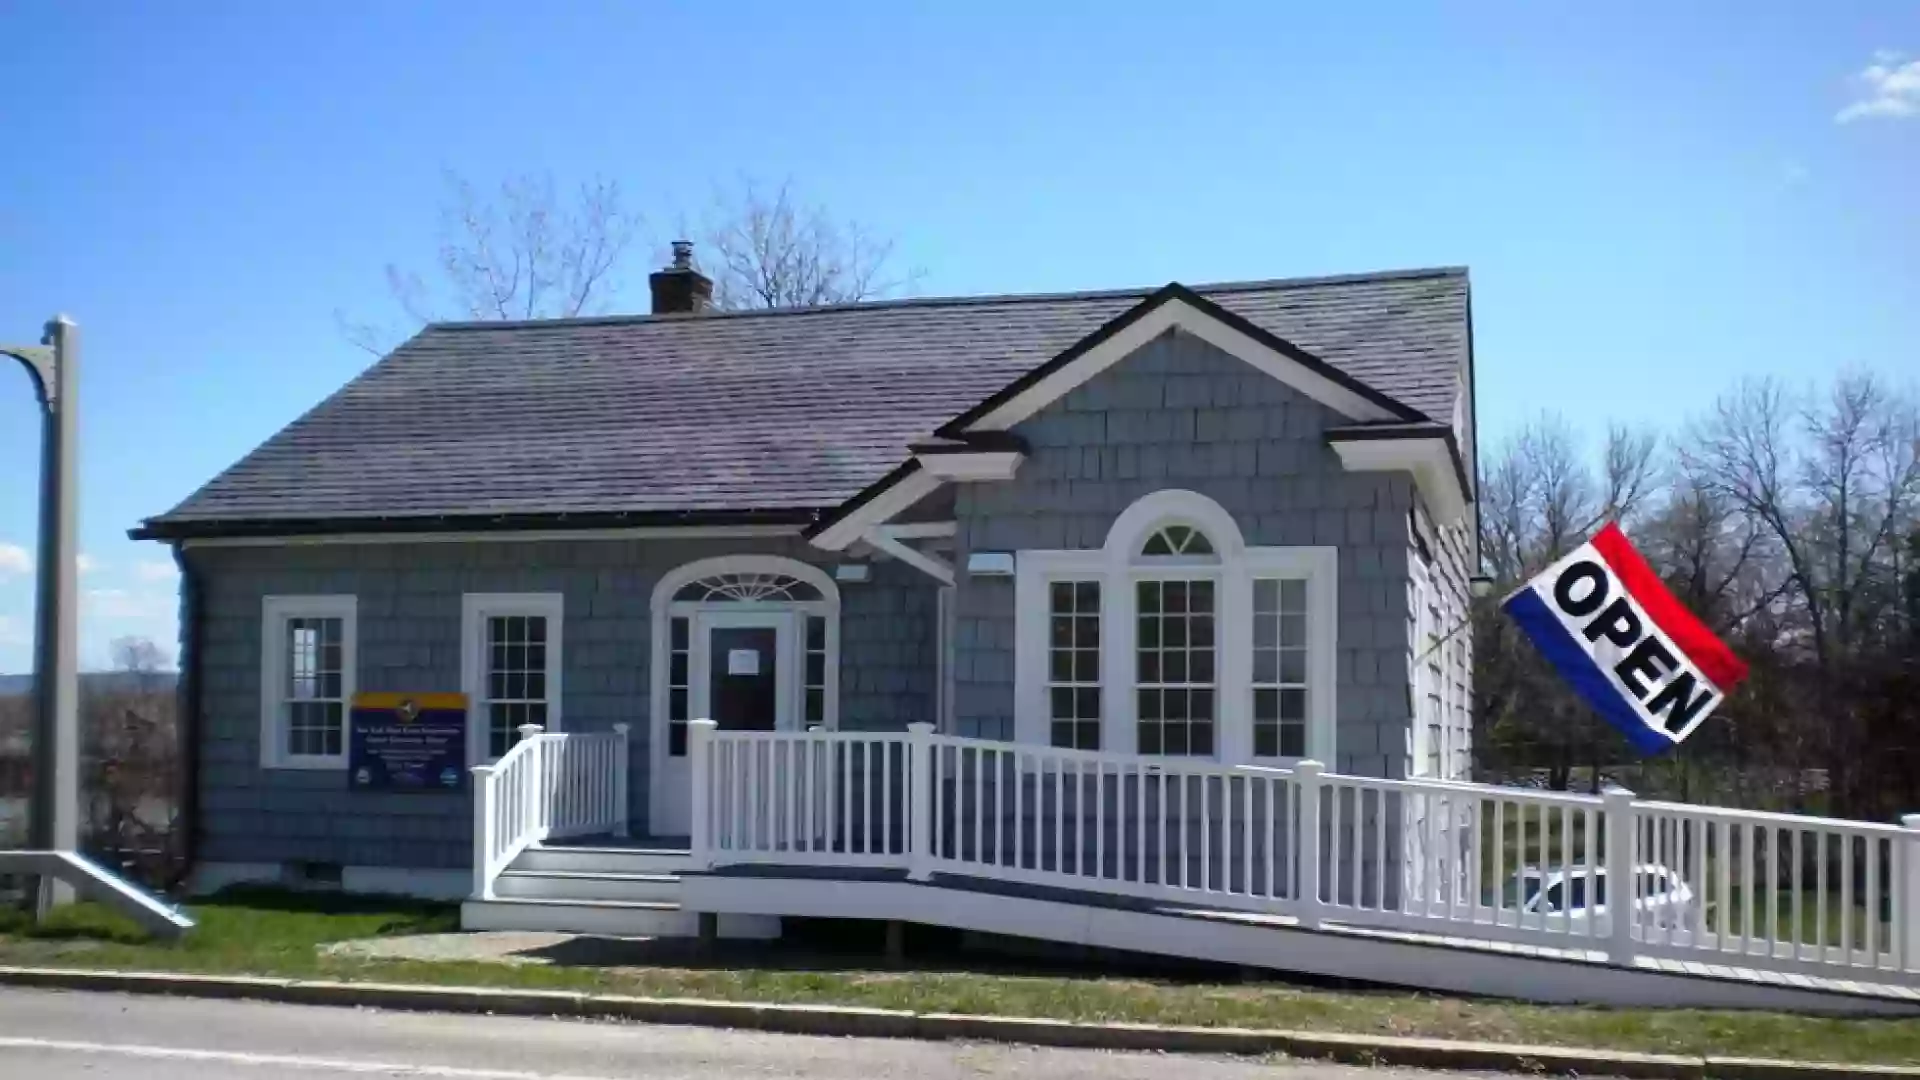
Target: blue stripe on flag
[1571, 659]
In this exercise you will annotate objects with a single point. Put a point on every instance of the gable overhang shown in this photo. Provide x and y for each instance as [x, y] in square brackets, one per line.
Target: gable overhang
[979, 445]
[1176, 307]
[1428, 451]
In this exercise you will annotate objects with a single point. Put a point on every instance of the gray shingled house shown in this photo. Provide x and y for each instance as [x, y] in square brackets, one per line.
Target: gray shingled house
[1228, 523]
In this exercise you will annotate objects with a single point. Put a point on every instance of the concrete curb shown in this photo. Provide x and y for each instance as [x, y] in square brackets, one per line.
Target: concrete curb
[844, 1021]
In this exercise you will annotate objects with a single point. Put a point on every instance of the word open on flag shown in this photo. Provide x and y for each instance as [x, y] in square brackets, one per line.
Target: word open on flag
[1602, 618]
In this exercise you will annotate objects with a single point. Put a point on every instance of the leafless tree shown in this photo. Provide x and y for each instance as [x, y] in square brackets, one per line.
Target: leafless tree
[131, 763]
[770, 249]
[526, 251]
[521, 252]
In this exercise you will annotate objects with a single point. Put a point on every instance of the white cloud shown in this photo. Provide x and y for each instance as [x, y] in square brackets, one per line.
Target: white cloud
[124, 604]
[14, 632]
[14, 560]
[85, 563]
[155, 570]
[1890, 89]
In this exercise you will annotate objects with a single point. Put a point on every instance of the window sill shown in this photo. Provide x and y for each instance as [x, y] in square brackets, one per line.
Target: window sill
[307, 764]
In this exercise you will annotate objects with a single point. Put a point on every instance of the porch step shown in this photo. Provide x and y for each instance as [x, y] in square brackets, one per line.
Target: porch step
[588, 885]
[604, 860]
[611, 918]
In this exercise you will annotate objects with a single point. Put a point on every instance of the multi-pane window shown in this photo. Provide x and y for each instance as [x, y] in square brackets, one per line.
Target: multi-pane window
[1175, 673]
[517, 691]
[816, 706]
[679, 683]
[1279, 681]
[1073, 663]
[315, 690]
[307, 680]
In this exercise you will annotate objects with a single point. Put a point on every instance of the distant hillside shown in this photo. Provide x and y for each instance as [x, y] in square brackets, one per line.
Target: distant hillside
[108, 681]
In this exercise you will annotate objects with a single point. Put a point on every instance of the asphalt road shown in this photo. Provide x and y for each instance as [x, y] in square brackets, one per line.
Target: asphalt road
[47, 1035]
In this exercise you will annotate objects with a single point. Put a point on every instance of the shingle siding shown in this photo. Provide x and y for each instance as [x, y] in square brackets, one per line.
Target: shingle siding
[1180, 413]
[409, 624]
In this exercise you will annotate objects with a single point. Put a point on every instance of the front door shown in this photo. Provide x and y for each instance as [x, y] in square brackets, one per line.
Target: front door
[742, 677]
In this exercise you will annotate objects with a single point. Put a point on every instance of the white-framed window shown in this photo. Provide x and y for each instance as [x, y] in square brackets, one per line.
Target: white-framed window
[511, 651]
[1281, 683]
[1206, 647]
[308, 656]
[1073, 664]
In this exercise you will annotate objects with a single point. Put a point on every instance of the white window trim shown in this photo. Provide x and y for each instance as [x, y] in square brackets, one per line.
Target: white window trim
[1115, 566]
[475, 610]
[274, 613]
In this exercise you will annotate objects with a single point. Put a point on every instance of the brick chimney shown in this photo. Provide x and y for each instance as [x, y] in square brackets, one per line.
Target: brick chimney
[680, 289]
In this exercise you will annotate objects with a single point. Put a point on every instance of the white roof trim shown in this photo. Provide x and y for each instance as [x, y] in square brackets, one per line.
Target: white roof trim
[1172, 314]
[910, 489]
[1427, 457]
[972, 464]
[691, 532]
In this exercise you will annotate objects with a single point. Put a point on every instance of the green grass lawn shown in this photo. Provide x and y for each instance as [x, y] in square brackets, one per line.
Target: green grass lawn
[267, 932]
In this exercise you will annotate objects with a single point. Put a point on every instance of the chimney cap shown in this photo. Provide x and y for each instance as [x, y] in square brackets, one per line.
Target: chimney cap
[683, 254]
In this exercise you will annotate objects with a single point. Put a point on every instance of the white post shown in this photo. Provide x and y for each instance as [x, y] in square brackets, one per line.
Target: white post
[1622, 834]
[699, 752]
[534, 787]
[483, 796]
[621, 761]
[919, 802]
[1307, 775]
[1907, 906]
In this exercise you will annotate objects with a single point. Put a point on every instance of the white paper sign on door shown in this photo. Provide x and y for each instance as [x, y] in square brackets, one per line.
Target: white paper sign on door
[743, 661]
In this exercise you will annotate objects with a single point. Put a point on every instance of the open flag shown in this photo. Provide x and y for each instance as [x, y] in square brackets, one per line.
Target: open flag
[1602, 618]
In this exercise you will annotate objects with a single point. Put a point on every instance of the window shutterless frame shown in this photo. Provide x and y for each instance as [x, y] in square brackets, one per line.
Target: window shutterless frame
[476, 665]
[278, 677]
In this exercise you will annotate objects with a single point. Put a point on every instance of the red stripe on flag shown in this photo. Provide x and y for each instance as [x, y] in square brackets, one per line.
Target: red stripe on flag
[1707, 652]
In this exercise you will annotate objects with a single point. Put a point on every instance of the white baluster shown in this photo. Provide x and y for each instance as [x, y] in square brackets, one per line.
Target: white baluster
[919, 801]
[482, 832]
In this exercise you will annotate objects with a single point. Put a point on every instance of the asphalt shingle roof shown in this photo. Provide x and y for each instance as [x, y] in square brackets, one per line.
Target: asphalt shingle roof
[794, 410]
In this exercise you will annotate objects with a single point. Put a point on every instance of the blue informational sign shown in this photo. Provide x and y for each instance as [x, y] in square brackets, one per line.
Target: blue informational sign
[408, 743]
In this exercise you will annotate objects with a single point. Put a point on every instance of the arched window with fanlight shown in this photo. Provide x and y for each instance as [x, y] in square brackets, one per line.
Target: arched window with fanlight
[1176, 638]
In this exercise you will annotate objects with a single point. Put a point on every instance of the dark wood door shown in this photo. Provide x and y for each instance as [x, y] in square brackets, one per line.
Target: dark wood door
[743, 688]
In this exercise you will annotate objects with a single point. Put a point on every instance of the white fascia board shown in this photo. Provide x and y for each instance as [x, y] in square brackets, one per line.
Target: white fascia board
[1426, 457]
[972, 464]
[878, 510]
[479, 536]
[1181, 315]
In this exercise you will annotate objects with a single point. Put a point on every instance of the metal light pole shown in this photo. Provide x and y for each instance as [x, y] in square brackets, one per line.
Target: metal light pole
[54, 821]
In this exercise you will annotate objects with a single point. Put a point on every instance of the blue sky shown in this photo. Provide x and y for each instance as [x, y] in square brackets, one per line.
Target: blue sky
[1653, 198]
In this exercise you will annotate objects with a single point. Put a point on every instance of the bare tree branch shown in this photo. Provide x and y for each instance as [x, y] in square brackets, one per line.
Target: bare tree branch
[771, 250]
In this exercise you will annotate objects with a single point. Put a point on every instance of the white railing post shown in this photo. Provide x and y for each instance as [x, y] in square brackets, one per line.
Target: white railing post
[535, 790]
[919, 801]
[1307, 775]
[621, 762]
[483, 796]
[1622, 833]
[699, 754]
[1907, 898]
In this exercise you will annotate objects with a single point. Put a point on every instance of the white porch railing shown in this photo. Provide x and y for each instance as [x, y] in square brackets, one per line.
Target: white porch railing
[547, 786]
[1609, 875]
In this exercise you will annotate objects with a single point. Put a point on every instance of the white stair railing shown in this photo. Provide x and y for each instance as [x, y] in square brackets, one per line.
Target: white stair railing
[547, 786]
[1610, 877]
